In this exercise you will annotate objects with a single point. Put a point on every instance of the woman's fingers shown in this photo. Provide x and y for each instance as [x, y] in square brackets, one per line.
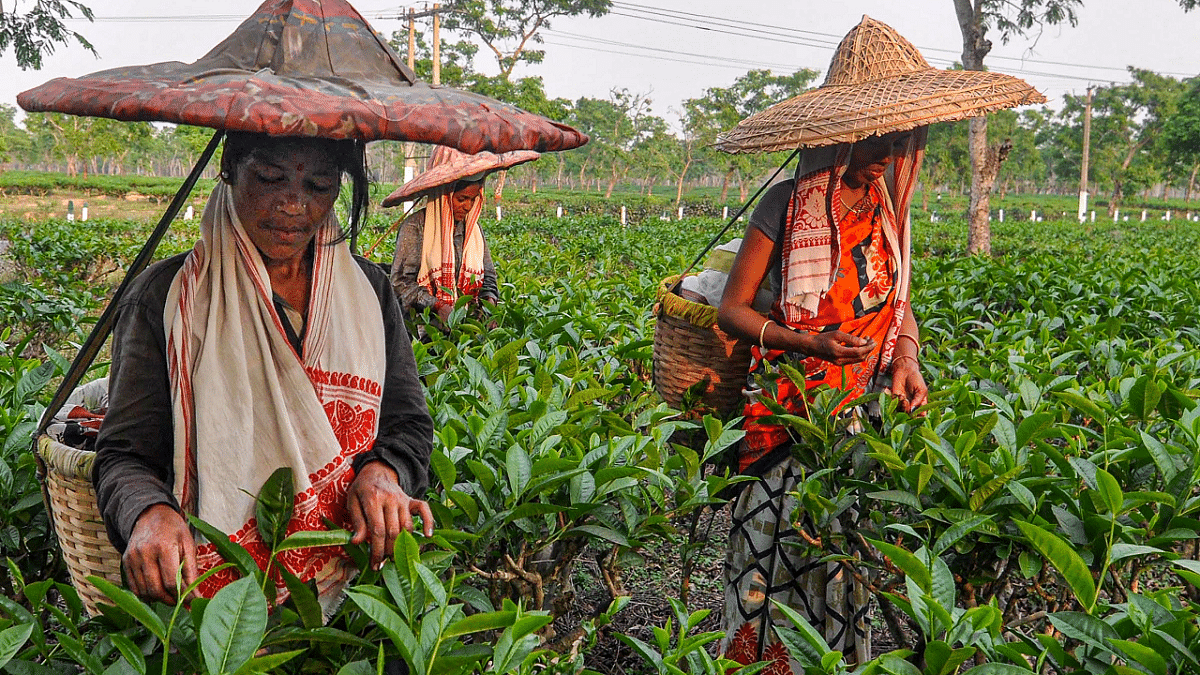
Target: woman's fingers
[842, 348]
[426, 514]
[380, 510]
[159, 544]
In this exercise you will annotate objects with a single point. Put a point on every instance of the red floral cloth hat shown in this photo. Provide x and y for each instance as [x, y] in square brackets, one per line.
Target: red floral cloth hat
[304, 68]
[448, 166]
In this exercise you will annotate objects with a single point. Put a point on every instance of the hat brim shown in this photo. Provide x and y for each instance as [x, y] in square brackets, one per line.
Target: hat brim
[303, 68]
[480, 165]
[834, 114]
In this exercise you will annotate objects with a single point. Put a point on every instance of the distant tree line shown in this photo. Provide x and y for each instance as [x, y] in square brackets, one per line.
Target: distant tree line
[1145, 139]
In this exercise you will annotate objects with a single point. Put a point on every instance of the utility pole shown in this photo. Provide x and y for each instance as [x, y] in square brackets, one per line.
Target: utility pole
[437, 45]
[412, 39]
[1087, 142]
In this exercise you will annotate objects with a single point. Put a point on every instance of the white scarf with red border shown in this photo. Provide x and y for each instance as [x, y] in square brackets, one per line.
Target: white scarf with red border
[810, 253]
[245, 403]
[437, 270]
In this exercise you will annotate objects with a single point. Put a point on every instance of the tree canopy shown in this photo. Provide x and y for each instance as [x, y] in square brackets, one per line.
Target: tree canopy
[35, 33]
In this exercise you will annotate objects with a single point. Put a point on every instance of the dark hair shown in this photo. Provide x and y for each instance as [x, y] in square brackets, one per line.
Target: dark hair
[350, 156]
[460, 184]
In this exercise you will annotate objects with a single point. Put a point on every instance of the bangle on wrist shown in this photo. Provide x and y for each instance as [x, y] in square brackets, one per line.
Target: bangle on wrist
[901, 357]
[762, 332]
[913, 339]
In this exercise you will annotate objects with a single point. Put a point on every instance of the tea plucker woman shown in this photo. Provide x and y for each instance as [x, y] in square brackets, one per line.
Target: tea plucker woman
[267, 345]
[835, 242]
[270, 345]
[441, 253]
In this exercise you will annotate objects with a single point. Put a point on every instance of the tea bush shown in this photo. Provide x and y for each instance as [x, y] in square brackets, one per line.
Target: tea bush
[1040, 514]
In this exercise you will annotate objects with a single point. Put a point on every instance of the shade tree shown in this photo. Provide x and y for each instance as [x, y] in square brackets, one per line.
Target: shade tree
[1180, 138]
[36, 32]
[721, 108]
[511, 29]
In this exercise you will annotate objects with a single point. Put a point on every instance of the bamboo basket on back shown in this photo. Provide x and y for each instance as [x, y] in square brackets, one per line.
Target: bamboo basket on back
[67, 488]
[691, 351]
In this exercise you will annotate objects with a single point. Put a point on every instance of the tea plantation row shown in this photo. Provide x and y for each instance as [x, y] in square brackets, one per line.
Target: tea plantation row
[1039, 517]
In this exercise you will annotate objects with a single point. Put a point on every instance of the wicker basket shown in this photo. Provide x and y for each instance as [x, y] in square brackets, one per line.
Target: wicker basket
[81, 536]
[690, 348]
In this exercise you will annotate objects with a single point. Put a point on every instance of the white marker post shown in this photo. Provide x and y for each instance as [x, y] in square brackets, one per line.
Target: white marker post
[1002, 215]
[559, 213]
[1143, 215]
[680, 214]
[83, 212]
[498, 213]
[190, 213]
[624, 220]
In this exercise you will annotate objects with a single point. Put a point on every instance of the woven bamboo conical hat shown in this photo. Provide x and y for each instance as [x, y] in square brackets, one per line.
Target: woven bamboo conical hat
[877, 83]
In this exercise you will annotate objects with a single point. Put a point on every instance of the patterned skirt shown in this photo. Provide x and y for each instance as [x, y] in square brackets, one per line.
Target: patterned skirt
[768, 562]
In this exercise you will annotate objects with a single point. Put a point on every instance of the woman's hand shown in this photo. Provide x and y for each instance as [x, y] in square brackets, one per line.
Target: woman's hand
[487, 307]
[159, 543]
[838, 348]
[907, 384]
[379, 508]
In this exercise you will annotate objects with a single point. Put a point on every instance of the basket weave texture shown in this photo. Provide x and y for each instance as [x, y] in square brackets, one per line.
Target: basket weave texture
[81, 535]
[877, 83]
[690, 348]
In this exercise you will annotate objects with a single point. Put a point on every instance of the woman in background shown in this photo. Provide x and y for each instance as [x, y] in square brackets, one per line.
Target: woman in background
[441, 253]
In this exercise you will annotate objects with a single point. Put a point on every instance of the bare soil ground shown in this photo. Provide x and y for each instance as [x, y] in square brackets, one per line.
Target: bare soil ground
[54, 205]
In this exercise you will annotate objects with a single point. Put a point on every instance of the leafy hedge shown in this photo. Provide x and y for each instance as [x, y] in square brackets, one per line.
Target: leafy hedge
[1040, 515]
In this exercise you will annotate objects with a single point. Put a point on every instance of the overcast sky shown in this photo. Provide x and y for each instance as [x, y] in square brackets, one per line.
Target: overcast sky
[672, 50]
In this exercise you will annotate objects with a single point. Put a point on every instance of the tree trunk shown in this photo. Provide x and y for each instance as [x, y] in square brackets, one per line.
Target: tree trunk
[1192, 182]
[498, 191]
[558, 176]
[725, 185]
[682, 175]
[985, 163]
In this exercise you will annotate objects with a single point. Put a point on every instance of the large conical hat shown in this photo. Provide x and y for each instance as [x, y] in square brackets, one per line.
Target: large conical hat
[877, 82]
[304, 68]
[448, 166]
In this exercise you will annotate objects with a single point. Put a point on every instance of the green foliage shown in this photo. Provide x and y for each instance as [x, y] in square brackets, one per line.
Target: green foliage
[1052, 471]
[38, 30]
[26, 543]
[510, 28]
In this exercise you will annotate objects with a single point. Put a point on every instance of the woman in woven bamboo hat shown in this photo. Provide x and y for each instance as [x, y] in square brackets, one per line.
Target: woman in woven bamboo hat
[836, 241]
[269, 344]
[441, 253]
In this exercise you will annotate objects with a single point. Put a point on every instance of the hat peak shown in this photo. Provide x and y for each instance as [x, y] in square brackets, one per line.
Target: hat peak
[871, 51]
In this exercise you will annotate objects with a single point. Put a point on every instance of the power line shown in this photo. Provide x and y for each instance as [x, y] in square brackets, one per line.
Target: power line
[719, 59]
[645, 56]
[761, 30]
[695, 21]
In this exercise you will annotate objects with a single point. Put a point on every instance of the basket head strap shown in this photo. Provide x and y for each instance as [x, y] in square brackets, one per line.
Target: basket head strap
[675, 287]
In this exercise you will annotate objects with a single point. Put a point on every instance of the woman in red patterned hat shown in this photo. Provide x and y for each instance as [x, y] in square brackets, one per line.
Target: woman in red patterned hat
[267, 345]
[441, 253]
